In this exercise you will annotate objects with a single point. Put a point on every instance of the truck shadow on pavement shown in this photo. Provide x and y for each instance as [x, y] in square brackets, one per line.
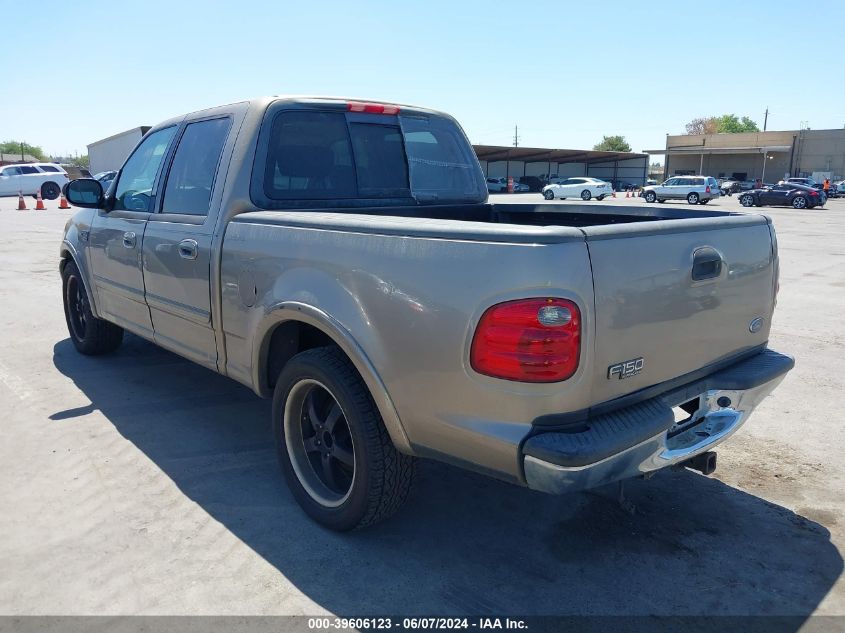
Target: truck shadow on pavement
[464, 544]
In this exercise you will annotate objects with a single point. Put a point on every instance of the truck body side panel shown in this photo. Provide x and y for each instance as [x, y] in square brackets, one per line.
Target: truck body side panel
[412, 304]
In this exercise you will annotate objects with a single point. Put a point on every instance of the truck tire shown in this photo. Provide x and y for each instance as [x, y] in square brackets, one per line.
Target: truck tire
[50, 191]
[334, 450]
[91, 336]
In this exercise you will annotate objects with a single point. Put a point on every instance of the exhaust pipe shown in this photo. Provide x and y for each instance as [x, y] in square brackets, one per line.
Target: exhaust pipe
[704, 463]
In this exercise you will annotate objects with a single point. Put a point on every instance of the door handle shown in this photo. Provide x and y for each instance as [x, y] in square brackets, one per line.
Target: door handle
[129, 239]
[706, 263]
[188, 249]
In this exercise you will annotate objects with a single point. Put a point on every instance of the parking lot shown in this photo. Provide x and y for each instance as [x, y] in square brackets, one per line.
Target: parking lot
[140, 483]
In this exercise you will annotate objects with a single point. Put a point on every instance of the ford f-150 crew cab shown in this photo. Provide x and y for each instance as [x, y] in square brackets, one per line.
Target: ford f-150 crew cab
[342, 258]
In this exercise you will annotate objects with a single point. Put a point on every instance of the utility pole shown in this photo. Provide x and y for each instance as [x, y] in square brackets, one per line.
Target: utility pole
[516, 136]
[766, 119]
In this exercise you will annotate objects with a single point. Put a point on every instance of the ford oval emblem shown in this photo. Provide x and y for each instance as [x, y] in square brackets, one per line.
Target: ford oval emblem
[755, 325]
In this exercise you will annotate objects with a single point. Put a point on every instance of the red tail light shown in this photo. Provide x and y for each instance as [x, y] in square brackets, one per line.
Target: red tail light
[814, 193]
[707, 190]
[371, 108]
[529, 340]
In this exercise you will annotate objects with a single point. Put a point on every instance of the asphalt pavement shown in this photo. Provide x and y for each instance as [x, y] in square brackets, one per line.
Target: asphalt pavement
[140, 483]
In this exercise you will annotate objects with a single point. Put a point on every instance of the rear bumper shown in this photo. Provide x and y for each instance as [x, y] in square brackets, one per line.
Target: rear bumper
[643, 438]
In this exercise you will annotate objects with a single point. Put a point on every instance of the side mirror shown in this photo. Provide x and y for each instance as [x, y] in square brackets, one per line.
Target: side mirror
[85, 192]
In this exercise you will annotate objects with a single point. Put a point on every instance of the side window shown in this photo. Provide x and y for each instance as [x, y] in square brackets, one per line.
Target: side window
[26, 169]
[136, 179]
[309, 157]
[191, 177]
[671, 182]
[48, 168]
[12, 171]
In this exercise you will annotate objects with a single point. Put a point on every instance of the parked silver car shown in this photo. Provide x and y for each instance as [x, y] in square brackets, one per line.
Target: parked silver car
[693, 189]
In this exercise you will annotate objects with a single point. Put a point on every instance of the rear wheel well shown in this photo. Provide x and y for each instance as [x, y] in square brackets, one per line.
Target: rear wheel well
[66, 257]
[287, 340]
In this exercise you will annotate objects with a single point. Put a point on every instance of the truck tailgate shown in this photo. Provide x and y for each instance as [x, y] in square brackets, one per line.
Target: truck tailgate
[675, 296]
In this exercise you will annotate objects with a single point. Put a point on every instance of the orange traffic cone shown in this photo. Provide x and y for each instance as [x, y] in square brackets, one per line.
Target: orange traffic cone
[39, 203]
[613, 193]
[63, 203]
[21, 202]
[627, 194]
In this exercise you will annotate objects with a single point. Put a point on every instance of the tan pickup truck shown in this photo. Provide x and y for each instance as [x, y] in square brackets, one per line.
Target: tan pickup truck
[342, 257]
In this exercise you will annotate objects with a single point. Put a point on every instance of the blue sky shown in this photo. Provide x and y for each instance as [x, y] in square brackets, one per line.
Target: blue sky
[566, 73]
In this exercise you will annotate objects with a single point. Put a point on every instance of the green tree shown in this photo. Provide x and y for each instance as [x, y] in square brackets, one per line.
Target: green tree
[80, 161]
[614, 143]
[725, 124]
[15, 147]
[730, 124]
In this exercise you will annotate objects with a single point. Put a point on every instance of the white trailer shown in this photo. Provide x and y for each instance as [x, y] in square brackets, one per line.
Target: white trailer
[110, 153]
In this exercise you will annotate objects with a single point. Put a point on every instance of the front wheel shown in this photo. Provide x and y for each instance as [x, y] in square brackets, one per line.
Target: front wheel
[336, 454]
[586, 195]
[692, 198]
[650, 196]
[747, 201]
[799, 202]
[549, 194]
[90, 335]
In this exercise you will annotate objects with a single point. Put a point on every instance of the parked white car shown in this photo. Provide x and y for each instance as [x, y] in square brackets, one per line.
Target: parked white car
[693, 189]
[31, 178]
[582, 187]
[495, 185]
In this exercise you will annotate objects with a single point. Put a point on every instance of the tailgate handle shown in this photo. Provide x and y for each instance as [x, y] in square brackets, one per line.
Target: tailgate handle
[706, 263]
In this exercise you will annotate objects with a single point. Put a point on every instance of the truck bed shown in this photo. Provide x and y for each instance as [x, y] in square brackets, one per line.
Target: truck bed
[529, 214]
[670, 291]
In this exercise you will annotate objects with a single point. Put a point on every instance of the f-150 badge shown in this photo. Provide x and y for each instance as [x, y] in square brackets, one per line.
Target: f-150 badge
[625, 369]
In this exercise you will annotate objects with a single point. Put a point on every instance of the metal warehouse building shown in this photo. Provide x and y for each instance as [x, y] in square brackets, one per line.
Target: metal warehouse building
[749, 155]
[503, 161]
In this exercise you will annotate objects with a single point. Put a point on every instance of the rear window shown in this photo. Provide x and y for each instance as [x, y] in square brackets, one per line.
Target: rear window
[380, 163]
[309, 157]
[332, 155]
[48, 168]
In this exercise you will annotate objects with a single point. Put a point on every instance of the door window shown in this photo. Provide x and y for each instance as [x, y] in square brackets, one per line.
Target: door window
[12, 171]
[139, 173]
[191, 177]
[25, 169]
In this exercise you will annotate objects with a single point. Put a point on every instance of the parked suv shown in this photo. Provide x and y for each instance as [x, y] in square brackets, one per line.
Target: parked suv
[31, 178]
[693, 189]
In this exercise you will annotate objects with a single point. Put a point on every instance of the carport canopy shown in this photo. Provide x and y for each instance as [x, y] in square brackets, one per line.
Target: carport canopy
[495, 153]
